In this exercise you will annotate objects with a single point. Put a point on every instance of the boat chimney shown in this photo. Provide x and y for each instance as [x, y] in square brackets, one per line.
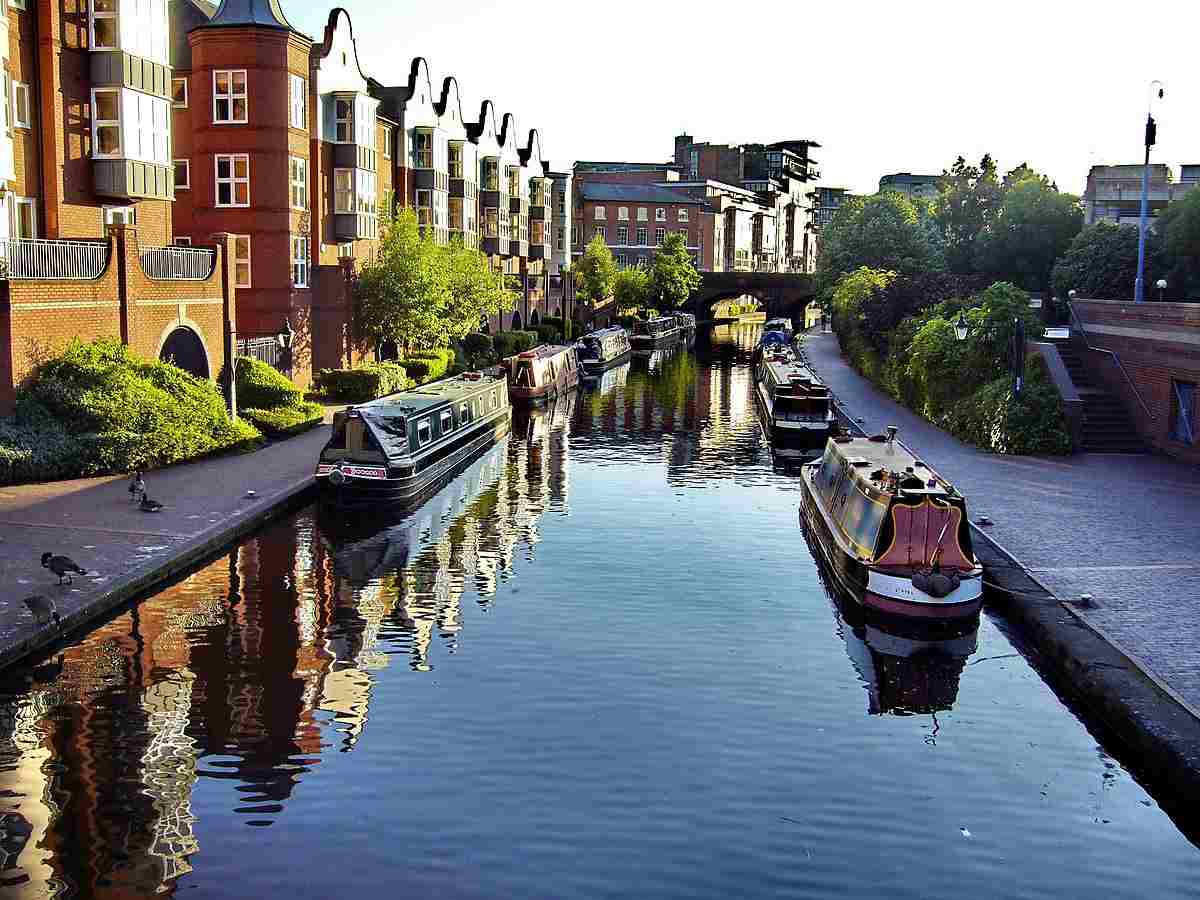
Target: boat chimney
[891, 434]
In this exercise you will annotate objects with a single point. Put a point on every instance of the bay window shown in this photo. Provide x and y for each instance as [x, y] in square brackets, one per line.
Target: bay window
[343, 120]
[424, 208]
[491, 174]
[491, 217]
[514, 181]
[455, 164]
[106, 123]
[230, 97]
[343, 190]
[105, 25]
[138, 27]
[128, 124]
[423, 148]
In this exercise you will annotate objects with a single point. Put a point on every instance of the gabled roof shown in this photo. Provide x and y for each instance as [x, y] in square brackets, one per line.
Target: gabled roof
[636, 193]
[260, 13]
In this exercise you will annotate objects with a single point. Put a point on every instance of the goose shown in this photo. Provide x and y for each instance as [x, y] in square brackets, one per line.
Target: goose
[62, 566]
[43, 609]
[148, 505]
[137, 487]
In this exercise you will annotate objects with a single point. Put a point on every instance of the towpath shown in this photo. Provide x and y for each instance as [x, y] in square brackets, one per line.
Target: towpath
[124, 550]
[1124, 528]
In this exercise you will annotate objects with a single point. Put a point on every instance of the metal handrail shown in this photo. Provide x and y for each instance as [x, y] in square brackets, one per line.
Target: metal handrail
[1120, 365]
[177, 263]
[27, 259]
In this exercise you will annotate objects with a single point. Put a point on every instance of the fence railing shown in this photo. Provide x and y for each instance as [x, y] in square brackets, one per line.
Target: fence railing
[264, 349]
[177, 263]
[47, 260]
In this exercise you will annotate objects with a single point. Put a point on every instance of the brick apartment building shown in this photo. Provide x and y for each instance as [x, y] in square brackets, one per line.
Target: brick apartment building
[1114, 193]
[87, 188]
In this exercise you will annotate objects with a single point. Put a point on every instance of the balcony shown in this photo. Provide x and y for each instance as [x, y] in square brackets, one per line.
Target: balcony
[355, 226]
[177, 263]
[28, 260]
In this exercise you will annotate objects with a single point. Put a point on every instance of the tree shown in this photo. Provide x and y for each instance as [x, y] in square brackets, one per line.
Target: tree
[631, 287]
[673, 275]
[1102, 263]
[1034, 225]
[476, 291]
[968, 199]
[595, 271]
[1179, 225]
[884, 231]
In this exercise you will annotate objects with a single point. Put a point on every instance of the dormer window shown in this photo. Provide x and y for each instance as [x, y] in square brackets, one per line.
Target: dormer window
[343, 120]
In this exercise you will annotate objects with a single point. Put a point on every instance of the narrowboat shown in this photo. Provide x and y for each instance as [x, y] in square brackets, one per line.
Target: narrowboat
[783, 326]
[545, 371]
[654, 333]
[603, 349]
[792, 399]
[893, 532]
[401, 445]
[685, 320]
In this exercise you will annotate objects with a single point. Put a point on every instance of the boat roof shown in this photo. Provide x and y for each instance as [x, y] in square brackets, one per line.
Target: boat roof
[605, 332]
[436, 393]
[786, 370]
[543, 351]
[867, 455]
[780, 321]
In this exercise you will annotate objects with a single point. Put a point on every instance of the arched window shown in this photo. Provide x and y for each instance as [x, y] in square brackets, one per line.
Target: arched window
[516, 321]
[183, 348]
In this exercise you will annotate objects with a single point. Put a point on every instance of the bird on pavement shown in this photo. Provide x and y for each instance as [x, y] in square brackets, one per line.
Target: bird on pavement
[43, 609]
[148, 505]
[137, 487]
[62, 566]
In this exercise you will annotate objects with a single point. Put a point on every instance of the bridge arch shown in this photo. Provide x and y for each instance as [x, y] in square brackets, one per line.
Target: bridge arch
[182, 346]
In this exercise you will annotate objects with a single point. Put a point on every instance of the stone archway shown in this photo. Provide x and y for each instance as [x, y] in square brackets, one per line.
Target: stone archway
[183, 348]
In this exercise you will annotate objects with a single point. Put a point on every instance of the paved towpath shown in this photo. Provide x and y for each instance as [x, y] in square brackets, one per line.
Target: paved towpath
[123, 549]
[1124, 528]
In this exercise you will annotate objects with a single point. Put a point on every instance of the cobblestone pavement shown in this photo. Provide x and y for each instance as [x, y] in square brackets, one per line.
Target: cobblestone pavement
[92, 521]
[1124, 528]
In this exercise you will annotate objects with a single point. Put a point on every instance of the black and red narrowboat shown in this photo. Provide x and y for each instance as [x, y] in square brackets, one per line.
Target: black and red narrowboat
[543, 372]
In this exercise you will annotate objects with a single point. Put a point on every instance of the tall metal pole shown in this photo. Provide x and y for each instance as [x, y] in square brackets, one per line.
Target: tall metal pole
[1139, 284]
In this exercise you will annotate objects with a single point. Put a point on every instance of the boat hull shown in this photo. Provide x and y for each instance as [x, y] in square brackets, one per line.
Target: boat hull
[789, 434]
[883, 592]
[597, 366]
[545, 391]
[651, 342]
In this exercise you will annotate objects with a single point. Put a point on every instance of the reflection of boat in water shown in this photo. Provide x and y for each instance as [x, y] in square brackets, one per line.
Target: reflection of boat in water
[609, 381]
[536, 422]
[656, 359]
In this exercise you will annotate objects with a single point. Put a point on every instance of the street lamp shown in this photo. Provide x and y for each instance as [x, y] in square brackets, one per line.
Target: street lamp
[961, 328]
[284, 338]
[1161, 284]
[1139, 285]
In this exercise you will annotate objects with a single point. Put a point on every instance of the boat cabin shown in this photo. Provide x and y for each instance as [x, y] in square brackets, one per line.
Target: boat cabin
[654, 329]
[604, 345]
[684, 319]
[794, 392]
[544, 371]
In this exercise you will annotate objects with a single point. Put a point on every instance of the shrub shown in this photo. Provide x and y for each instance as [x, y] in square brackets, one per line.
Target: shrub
[993, 419]
[260, 386]
[549, 334]
[510, 343]
[362, 383]
[477, 344]
[285, 421]
[428, 365]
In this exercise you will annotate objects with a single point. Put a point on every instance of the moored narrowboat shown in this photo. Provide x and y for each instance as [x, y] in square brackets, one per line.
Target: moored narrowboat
[542, 372]
[653, 333]
[600, 350]
[685, 320]
[792, 399]
[783, 326]
[402, 444]
[893, 532]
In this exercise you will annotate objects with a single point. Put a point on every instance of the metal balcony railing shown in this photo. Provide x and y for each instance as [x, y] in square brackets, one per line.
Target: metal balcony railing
[177, 263]
[54, 260]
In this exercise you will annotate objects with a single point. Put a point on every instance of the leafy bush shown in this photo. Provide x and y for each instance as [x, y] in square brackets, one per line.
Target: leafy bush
[1031, 423]
[475, 344]
[428, 365]
[549, 334]
[362, 383]
[510, 343]
[285, 421]
[260, 386]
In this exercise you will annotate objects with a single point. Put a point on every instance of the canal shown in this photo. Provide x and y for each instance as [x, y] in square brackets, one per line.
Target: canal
[601, 662]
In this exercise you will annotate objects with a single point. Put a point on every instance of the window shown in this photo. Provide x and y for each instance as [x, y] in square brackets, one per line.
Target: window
[598, 231]
[622, 234]
[298, 181]
[491, 219]
[660, 215]
[179, 93]
[683, 234]
[299, 260]
[424, 432]
[343, 190]
[455, 164]
[241, 260]
[387, 141]
[20, 105]
[25, 218]
[464, 413]
[660, 235]
[229, 96]
[343, 120]
[346, 250]
[183, 174]
[514, 181]
[233, 179]
[106, 123]
[183, 241]
[559, 235]
[424, 207]
[423, 148]
[683, 215]
[119, 215]
[105, 33]
[599, 214]
[641, 237]
[642, 214]
[447, 421]
[491, 174]
[620, 260]
[622, 213]
[6, 84]
[297, 101]
[1183, 411]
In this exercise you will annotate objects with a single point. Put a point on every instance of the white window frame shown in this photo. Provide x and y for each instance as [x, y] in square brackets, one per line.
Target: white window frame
[187, 168]
[683, 215]
[622, 213]
[442, 421]
[622, 235]
[298, 182]
[179, 104]
[660, 214]
[387, 141]
[30, 205]
[93, 16]
[239, 260]
[345, 192]
[126, 214]
[20, 88]
[346, 250]
[297, 101]
[183, 240]
[660, 235]
[427, 422]
[599, 214]
[300, 260]
[641, 236]
[233, 180]
[338, 121]
[98, 123]
[231, 97]
[643, 214]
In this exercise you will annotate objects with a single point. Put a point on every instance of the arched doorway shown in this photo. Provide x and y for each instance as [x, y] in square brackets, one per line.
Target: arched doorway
[387, 351]
[533, 319]
[558, 312]
[183, 348]
[516, 321]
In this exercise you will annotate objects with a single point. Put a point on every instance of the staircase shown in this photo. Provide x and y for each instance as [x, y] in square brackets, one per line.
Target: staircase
[1107, 427]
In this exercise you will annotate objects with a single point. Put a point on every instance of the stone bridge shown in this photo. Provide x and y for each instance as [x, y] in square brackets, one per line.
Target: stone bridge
[778, 294]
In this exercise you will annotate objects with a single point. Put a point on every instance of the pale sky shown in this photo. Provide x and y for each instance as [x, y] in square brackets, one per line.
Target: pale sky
[883, 86]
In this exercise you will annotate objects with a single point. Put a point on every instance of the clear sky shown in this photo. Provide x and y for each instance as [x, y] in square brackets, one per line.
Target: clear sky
[883, 86]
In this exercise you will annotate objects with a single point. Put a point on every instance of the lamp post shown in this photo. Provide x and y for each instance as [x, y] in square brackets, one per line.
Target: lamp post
[1161, 284]
[283, 340]
[1139, 285]
[961, 328]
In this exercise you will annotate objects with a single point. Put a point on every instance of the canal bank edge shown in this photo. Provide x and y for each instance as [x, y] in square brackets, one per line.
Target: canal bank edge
[1137, 706]
[142, 580]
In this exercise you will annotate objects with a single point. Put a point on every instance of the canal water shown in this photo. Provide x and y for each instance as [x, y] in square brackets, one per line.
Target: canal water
[599, 663]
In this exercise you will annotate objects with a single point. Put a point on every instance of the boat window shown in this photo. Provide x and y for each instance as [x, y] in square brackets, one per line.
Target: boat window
[447, 421]
[861, 521]
[464, 413]
[424, 432]
[522, 377]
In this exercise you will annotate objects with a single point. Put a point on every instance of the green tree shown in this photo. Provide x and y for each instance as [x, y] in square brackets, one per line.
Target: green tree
[595, 271]
[476, 291]
[1179, 225]
[884, 231]
[1033, 226]
[631, 287]
[673, 275]
[1102, 263]
[969, 198]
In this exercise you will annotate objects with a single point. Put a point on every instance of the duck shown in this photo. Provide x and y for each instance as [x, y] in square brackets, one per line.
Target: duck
[148, 505]
[62, 566]
[137, 487]
[43, 609]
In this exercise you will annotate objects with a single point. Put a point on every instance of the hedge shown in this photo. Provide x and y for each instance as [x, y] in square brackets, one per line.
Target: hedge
[549, 334]
[362, 383]
[260, 386]
[285, 421]
[475, 344]
[427, 367]
[510, 343]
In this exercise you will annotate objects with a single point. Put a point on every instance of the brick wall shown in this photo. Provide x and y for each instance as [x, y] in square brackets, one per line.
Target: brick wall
[1156, 342]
